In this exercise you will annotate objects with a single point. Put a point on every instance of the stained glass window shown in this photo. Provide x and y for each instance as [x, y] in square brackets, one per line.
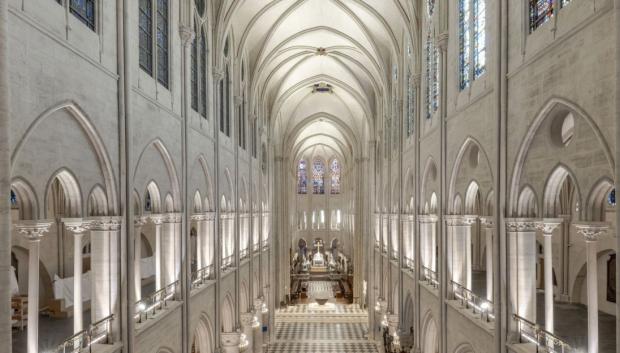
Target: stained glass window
[194, 72]
[480, 48]
[464, 42]
[13, 199]
[540, 12]
[202, 91]
[148, 203]
[84, 10]
[410, 105]
[335, 176]
[162, 42]
[430, 6]
[146, 35]
[302, 177]
[432, 79]
[227, 101]
[318, 177]
[611, 198]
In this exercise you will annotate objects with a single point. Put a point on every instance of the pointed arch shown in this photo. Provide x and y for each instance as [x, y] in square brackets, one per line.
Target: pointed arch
[72, 193]
[97, 202]
[159, 145]
[26, 199]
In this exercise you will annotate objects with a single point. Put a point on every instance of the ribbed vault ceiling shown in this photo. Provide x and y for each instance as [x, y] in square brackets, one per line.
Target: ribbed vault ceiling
[289, 46]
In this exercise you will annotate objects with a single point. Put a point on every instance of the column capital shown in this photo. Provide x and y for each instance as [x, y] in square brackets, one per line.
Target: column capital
[139, 221]
[218, 74]
[521, 224]
[548, 225]
[427, 218]
[488, 222]
[460, 220]
[199, 217]
[442, 41]
[592, 231]
[158, 219]
[172, 217]
[230, 339]
[248, 320]
[210, 216]
[187, 35]
[104, 223]
[75, 225]
[33, 230]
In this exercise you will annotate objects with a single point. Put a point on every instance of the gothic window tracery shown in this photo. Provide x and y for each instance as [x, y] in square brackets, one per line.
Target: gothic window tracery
[318, 177]
[302, 177]
[335, 177]
[472, 41]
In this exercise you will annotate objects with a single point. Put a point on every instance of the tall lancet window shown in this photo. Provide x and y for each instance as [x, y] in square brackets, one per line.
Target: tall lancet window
[472, 41]
[335, 176]
[432, 77]
[318, 177]
[540, 12]
[302, 177]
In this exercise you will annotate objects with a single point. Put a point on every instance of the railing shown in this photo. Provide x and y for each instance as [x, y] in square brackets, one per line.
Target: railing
[409, 263]
[201, 276]
[98, 332]
[430, 276]
[545, 341]
[243, 254]
[470, 300]
[227, 262]
[155, 302]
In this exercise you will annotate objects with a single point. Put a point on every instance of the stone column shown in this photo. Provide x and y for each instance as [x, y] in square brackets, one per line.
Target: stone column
[249, 323]
[230, 342]
[200, 239]
[547, 226]
[209, 243]
[459, 241]
[158, 220]
[77, 227]
[138, 222]
[33, 231]
[487, 223]
[521, 238]
[428, 240]
[105, 269]
[171, 248]
[592, 231]
[257, 337]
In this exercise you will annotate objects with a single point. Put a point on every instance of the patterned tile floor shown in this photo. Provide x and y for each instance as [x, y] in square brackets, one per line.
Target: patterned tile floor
[332, 328]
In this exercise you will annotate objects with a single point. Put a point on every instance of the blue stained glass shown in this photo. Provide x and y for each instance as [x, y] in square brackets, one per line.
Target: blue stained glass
[540, 12]
[480, 49]
[162, 42]
[84, 10]
[611, 198]
[146, 36]
[13, 199]
[464, 43]
[335, 176]
[318, 177]
[302, 178]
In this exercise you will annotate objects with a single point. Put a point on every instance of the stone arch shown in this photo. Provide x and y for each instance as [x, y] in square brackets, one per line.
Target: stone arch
[87, 127]
[197, 202]
[430, 337]
[209, 201]
[478, 168]
[473, 204]
[429, 179]
[203, 341]
[527, 204]
[597, 200]
[97, 202]
[409, 200]
[137, 203]
[551, 110]
[244, 297]
[26, 199]
[556, 184]
[464, 348]
[408, 313]
[457, 205]
[579, 282]
[160, 147]
[228, 316]
[46, 287]
[153, 190]
[227, 188]
[169, 203]
[72, 202]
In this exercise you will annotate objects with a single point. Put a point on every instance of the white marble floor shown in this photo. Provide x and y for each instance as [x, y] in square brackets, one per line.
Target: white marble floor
[330, 328]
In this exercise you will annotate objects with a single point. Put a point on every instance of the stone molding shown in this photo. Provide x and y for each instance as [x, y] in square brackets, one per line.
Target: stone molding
[139, 221]
[442, 41]
[230, 339]
[487, 222]
[460, 220]
[157, 219]
[75, 225]
[199, 217]
[427, 218]
[33, 230]
[104, 223]
[592, 231]
[187, 35]
[548, 225]
[173, 217]
[521, 224]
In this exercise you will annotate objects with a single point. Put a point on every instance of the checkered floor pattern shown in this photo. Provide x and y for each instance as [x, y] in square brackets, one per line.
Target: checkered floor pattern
[320, 289]
[331, 328]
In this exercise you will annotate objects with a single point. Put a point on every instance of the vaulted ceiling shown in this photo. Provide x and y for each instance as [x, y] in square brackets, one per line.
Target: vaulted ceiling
[320, 71]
